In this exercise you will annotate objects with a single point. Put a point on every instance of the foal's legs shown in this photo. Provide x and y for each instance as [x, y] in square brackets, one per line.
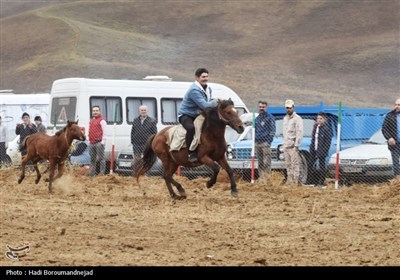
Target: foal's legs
[52, 166]
[60, 170]
[23, 164]
[38, 175]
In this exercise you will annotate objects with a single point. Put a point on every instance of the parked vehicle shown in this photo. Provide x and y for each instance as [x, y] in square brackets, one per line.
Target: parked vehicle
[358, 124]
[119, 100]
[13, 154]
[368, 162]
[80, 153]
[12, 106]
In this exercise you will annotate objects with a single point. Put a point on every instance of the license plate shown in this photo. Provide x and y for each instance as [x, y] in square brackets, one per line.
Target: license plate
[125, 164]
[352, 169]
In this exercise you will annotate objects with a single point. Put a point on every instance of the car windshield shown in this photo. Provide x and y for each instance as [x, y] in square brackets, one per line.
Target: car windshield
[377, 138]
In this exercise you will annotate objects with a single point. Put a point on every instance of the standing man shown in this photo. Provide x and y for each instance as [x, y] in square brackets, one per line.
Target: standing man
[97, 141]
[292, 136]
[3, 143]
[265, 132]
[319, 148]
[197, 98]
[142, 128]
[39, 126]
[24, 129]
[391, 132]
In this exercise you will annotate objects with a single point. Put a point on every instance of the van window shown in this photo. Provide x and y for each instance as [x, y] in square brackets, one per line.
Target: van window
[62, 110]
[169, 110]
[133, 104]
[110, 108]
[240, 110]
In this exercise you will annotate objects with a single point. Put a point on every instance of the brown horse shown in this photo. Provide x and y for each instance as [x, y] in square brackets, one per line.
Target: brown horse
[54, 148]
[211, 150]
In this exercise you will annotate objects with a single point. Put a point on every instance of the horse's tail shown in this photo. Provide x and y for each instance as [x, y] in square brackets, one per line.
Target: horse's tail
[22, 145]
[148, 159]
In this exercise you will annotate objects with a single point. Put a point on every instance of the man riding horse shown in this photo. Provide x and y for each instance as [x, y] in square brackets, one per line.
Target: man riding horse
[197, 98]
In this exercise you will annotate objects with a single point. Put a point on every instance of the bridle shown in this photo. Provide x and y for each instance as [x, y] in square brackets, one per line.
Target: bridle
[226, 122]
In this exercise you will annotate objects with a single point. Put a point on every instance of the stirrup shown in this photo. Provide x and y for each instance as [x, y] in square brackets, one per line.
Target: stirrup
[192, 157]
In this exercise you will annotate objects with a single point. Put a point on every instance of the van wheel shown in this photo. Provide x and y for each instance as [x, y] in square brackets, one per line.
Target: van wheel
[305, 170]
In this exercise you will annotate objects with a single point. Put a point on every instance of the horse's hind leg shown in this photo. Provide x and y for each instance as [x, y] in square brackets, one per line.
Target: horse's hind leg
[168, 176]
[23, 164]
[180, 189]
[38, 175]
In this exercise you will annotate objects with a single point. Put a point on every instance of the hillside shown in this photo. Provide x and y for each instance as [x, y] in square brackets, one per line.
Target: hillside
[305, 50]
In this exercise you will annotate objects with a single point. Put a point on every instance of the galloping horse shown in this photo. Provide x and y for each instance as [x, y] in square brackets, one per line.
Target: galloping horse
[53, 148]
[212, 149]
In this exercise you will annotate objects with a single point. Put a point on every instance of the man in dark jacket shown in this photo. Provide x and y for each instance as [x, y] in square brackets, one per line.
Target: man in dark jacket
[24, 129]
[319, 148]
[142, 128]
[392, 135]
[265, 131]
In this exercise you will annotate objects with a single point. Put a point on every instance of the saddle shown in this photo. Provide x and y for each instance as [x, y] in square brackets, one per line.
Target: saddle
[177, 134]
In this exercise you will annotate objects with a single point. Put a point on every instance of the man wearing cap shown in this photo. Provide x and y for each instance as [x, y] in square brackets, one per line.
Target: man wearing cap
[39, 125]
[24, 129]
[292, 136]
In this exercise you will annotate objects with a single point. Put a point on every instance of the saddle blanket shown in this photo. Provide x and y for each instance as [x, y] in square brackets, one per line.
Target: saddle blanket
[177, 134]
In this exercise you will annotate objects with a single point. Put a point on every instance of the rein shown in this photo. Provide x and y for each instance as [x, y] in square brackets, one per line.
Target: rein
[221, 117]
[66, 139]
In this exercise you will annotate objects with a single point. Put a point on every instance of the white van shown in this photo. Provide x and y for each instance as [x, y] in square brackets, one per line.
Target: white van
[12, 106]
[119, 101]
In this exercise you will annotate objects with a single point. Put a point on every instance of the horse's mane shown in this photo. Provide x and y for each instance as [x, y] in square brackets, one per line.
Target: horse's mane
[211, 114]
[58, 133]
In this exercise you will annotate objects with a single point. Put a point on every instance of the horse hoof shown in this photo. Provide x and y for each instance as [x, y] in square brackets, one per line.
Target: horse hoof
[234, 194]
[209, 185]
[183, 195]
[19, 181]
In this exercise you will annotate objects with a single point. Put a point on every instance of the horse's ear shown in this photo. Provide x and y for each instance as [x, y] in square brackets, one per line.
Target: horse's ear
[77, 121]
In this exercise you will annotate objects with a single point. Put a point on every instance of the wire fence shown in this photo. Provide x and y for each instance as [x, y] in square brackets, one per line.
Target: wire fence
[363, 153]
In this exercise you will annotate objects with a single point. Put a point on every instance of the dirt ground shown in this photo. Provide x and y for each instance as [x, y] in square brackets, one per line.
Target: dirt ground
[107, 221]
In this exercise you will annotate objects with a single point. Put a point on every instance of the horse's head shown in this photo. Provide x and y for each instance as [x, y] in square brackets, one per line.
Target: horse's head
[75, 131]
[228, 114]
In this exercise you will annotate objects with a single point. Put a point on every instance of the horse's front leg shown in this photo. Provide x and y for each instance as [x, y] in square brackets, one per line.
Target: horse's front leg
[215, 168]
[60, 170]
[224, 164]
[52, 166]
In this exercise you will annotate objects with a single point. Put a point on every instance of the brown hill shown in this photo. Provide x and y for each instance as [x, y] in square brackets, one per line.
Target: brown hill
[305, 50]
